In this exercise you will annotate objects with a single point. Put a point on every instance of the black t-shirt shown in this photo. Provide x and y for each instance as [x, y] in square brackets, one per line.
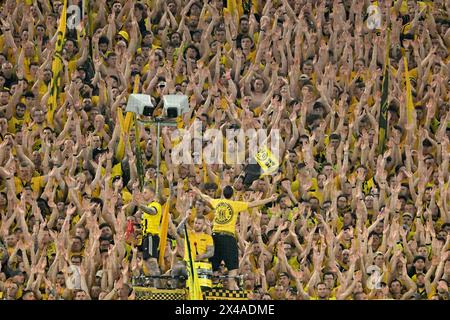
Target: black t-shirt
[142, 27]
[11, 80]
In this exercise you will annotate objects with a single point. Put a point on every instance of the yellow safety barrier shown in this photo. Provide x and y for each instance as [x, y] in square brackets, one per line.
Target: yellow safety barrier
[143, 293]
[160, 294]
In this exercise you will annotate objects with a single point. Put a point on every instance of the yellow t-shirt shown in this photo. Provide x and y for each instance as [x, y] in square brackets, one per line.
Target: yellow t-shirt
[116, 170]
[15, 124]
[126, 196]
[51, 249]
[318, 194]
[293, 262]
[404, 5]
[37, 184]
[198, 243]
[27, 62]
[72, 65]
[296, 185]
[422, 4]
[150, 222]
[317, 298]
[239, 6]
[226, 213]
[9, 52]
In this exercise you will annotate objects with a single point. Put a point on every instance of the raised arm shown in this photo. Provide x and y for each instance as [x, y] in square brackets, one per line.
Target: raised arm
[203, 196]
[262, 202]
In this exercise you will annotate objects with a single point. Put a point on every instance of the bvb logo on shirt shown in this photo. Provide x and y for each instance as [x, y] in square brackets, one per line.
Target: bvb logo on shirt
[224, 213]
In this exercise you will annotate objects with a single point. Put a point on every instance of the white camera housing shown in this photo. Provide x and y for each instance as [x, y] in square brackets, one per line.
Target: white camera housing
[175, 105]
[141, 104]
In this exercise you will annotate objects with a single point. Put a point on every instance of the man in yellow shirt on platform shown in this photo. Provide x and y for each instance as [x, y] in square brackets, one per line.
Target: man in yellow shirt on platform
[150, 221]
[201, 247]
[201, 243]
[224, 230]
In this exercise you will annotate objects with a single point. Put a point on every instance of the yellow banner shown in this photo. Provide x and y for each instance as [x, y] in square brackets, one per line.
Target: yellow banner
[409, 98]
[125, 123]
[268, 162]
[57, 65]
[382, 121]
[163, 234]
[195, 291]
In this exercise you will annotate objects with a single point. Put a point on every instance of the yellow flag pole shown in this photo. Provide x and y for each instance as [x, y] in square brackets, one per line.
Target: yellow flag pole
[163, 234]
[57, 65]
[195, 291]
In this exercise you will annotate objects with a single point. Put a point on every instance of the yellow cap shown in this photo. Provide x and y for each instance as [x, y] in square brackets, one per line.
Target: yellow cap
[124, 35]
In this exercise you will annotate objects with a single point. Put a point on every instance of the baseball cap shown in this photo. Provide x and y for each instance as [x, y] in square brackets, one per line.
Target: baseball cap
[419, 258]
[17, 273]
[115, 178]
[407, 214]
[304, 77]
[28, 94]
[97, 151]
[124, 35]
[429, 185]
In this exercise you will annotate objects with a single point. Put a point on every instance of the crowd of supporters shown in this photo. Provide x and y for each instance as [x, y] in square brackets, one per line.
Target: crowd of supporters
[348, 215]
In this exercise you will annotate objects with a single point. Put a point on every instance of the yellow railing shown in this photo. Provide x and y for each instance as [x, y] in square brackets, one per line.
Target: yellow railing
[143, 293]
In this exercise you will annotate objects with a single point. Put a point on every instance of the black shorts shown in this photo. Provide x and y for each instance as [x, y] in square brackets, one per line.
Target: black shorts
[226, 249]
[150, 246]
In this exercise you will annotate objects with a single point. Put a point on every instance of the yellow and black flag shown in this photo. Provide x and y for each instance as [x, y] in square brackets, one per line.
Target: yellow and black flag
[139, 164]
[163, 233]
[267, 161]
[57, 65]
[409, 97]
[195, 291]
[382, 122]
